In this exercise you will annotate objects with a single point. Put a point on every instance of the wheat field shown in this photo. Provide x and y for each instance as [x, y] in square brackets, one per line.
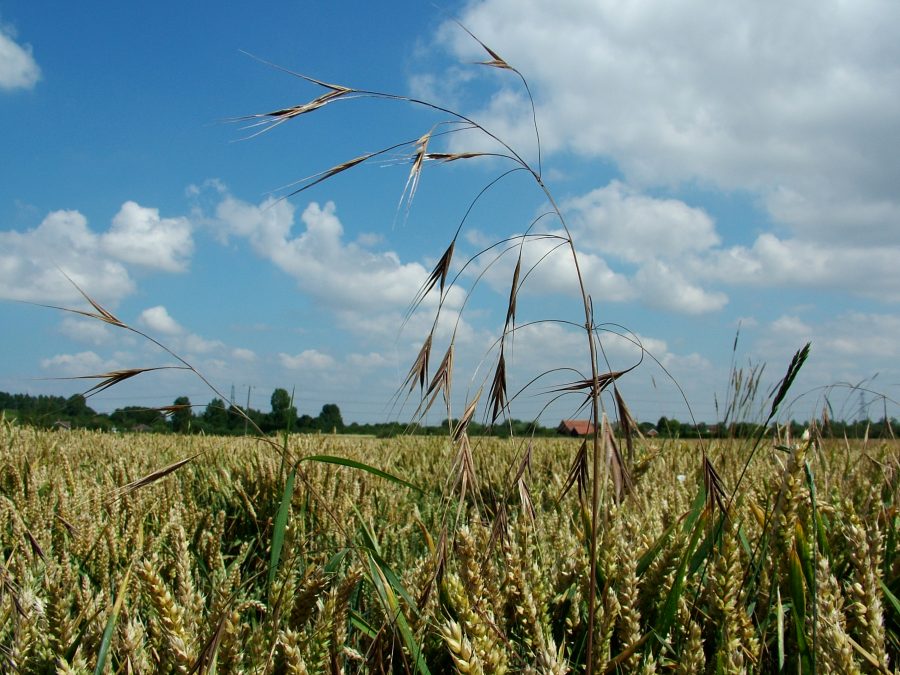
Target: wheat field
[466, 571]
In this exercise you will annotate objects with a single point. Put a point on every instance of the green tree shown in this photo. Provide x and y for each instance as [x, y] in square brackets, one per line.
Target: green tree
[131, 417]
[284, 415]
[182, 415]
[77, 408]
[668, 427]
[330, 418]
[216, 416]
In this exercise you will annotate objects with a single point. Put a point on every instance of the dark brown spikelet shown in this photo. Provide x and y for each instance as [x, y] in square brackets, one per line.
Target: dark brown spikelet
[438, 275]
[619, 472]
[419, 370]
[333, 171]
[154, 476]
[100, 313]
[496, 60]
[522, 484]
[578, 474]
[794, 367]
[269, 120]
[513, 293]
[441, 382]
[603, 381]
[715, 488]
[114, 377]
[629, 426]
[497, 394]
[453, 156]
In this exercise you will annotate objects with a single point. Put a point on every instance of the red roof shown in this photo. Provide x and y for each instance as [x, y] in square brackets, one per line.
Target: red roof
[576, 427]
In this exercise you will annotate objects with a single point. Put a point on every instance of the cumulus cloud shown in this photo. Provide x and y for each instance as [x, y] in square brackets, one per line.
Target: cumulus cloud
[309, 359]
[665, 287]
[77, 365]
[791, 102]
[365, 362]
[848, 347]
[158, 320]
[633, 226]
[139, 236]
[18, 69]
[857, 269]
[30, 263]
[34, 263]
[548, 263]
[86, 330]
[617, 228]
[343, 276]
[244, 354]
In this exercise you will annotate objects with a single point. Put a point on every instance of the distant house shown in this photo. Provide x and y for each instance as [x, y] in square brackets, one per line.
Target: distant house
[575, 428]
[62, 425]
[651, 433]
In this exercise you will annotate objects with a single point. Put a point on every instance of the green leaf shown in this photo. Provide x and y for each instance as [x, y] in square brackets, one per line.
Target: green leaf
[343, 461]
[796, 584]
[892, 599]
[363, 626]
[395, 612]
[111, 624]
[670, 607]
[780, 623]
[280, 527]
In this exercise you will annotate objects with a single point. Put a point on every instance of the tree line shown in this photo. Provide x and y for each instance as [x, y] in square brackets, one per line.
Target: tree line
[221, 418]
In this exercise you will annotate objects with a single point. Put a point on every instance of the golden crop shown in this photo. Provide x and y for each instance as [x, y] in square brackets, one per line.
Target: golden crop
[378, 577]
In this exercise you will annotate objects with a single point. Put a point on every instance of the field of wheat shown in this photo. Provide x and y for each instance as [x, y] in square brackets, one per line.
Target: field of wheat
[107, 567]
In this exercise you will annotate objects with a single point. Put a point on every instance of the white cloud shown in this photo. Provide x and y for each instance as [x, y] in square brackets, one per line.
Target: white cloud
[366, 362]
[243, 354]
[194, 344]
[34, 263]
[791, 326]
[158, 320]
[18, 69]
[77, 365]
[664, 286]
[860, 270]
[794, 103]
[621, 221]
[30, 263]
[550, 269]
[139, 236]
[309, 359]
[86, 330]
[367, 291]
[848, 347]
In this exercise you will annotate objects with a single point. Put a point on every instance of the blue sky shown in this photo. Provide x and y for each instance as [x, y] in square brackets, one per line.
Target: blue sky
[717, 167]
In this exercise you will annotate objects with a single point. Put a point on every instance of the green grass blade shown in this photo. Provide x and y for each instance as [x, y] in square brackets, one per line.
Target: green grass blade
[695, 521]
[280, 527]
[111, 624]
[343, 461]
[892, 599]
[395, 612]
[780, 624]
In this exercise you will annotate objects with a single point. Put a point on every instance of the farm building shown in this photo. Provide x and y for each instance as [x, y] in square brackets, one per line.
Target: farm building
[575, 428]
